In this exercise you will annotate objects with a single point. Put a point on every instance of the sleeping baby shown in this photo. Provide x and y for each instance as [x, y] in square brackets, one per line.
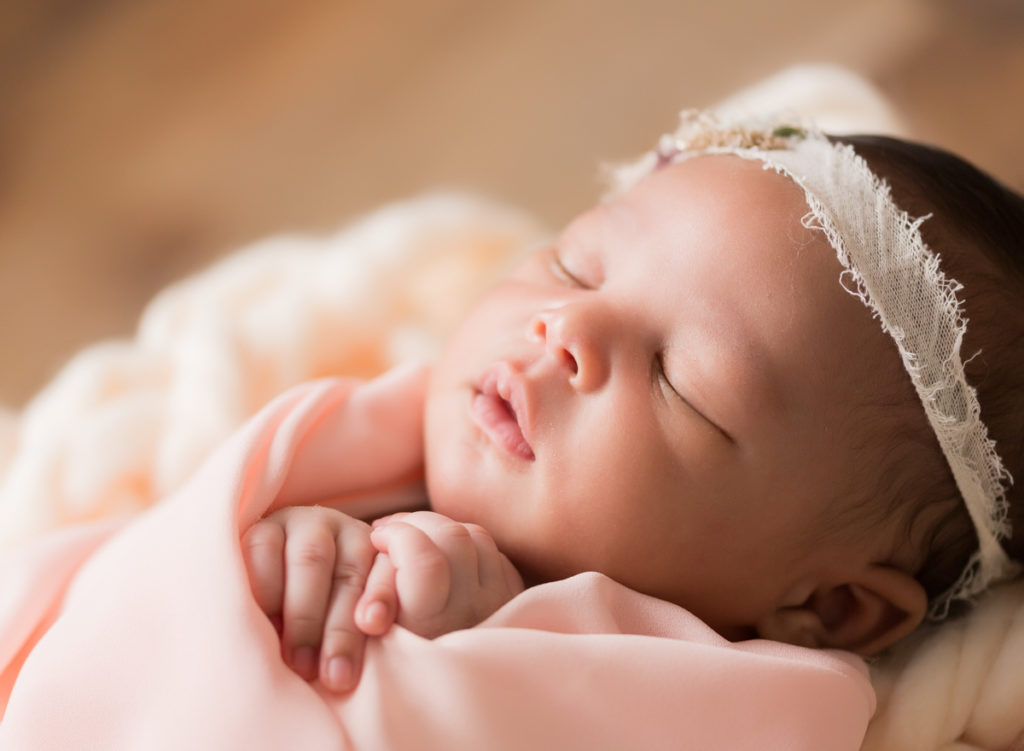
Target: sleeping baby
[744, 384]
[729, 430]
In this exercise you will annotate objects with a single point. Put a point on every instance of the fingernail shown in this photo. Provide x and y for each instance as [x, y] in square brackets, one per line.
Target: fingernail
[304, 662]
[340, 673]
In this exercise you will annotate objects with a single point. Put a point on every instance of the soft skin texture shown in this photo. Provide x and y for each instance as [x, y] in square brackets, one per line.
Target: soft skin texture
[683, 367]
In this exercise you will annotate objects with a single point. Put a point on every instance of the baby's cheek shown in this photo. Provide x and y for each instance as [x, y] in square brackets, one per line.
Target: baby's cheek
[452, 486]
[440, 469]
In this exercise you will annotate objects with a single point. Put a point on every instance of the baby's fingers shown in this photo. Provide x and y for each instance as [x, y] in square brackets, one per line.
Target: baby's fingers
[309, 560]
[341, 651]
[326, 567]
[263, 551]
[497, 574]
[422, 571]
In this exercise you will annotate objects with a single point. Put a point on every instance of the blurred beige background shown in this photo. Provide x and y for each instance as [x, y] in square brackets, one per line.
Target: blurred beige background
[141, 139]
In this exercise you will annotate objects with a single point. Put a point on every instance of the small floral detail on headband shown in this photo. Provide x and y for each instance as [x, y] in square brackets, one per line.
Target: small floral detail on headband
[789, 131]
[700, 131]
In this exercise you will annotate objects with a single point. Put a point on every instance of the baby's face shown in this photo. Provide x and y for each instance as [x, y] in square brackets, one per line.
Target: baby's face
[664, 396]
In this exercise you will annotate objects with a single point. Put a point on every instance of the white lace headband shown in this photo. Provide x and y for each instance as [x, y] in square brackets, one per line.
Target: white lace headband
[890, 268]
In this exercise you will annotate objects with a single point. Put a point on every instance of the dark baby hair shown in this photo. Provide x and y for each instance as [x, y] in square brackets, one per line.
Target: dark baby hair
[977, 229]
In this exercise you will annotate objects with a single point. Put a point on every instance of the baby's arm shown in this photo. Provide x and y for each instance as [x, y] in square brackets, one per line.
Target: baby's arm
[327, 581]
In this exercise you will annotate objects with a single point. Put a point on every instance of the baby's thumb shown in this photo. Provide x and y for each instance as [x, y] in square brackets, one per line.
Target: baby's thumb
[378, 605]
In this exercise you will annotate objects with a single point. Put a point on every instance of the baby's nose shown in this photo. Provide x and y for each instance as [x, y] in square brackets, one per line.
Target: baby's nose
[572, 343]
[544, 328]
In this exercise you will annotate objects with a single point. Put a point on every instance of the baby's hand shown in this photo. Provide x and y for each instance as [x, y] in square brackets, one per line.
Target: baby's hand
[447, 575]
[308, 567]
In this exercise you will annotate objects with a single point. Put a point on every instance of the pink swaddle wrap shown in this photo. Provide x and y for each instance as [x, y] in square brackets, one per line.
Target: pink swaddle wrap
[144, 634]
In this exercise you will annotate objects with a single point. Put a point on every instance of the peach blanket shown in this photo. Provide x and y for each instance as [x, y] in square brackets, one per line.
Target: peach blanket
[144, 634]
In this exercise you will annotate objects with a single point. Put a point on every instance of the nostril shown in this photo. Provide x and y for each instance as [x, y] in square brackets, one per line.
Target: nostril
[538, 329]
[548, 328]
[570, 361]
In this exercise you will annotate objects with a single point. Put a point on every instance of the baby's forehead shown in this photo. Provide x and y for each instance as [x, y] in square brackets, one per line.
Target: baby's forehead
[722, 219]
[741, 213]
[718, 210]
[720, 183]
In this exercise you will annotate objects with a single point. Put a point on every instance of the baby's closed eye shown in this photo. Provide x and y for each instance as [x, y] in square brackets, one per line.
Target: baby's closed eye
[660, 373]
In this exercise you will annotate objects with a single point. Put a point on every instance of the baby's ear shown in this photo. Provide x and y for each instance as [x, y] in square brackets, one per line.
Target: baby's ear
[866, 615]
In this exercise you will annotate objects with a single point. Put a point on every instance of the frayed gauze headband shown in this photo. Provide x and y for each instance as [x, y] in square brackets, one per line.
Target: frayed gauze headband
[890, 268]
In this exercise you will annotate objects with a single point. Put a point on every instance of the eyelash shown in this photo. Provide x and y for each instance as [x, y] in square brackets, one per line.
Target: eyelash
[663, 375]
[561, 271]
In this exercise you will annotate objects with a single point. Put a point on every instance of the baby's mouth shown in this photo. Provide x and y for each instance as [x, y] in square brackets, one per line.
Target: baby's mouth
[497, 409]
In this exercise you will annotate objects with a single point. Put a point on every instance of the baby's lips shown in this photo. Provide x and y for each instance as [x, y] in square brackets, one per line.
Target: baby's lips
[505, 381]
